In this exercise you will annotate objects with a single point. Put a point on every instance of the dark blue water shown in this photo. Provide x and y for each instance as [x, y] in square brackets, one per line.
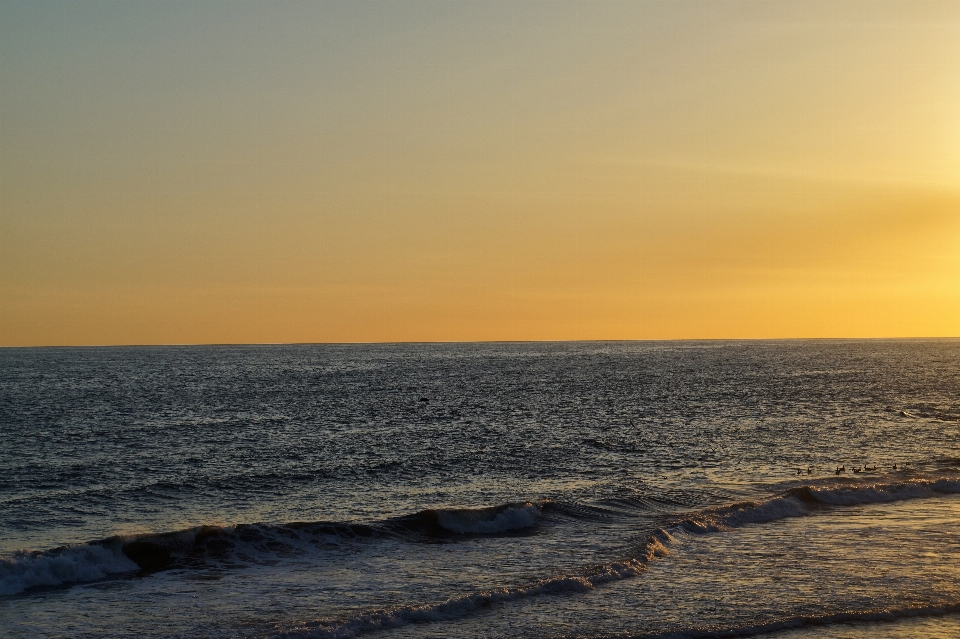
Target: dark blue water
[541, 490]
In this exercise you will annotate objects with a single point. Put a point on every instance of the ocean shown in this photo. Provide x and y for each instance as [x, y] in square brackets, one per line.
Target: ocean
[789, 489]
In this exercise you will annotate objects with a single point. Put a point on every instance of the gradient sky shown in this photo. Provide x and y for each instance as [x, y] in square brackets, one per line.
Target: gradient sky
[227, 172]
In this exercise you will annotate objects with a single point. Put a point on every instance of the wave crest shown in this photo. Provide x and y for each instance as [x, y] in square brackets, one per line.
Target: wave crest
[461, 606]
[202, 544]
[804, 500]
[152, 552]
[487, 521]
[70, 564]
[884, 492]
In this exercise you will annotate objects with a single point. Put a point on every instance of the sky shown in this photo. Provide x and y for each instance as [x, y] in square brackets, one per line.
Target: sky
[267, 172]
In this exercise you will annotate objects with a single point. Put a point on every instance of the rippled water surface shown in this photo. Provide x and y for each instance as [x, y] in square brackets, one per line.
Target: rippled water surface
[686, 489]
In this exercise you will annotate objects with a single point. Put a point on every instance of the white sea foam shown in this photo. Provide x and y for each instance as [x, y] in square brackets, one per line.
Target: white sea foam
[475, 521]
[884, 492]
[729, 517]
[791, 623]
[802, 501]
[84, 562]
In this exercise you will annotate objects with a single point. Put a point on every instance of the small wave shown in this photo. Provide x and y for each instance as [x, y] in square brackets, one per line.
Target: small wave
[243, 543]
[457, 607]
[152, 552]
[728, 517]
[451, 522]
[796, 502]
[489, 520]
[793, 623]
[881, 492]
[70, 564]
[250, 543]
[803, 500]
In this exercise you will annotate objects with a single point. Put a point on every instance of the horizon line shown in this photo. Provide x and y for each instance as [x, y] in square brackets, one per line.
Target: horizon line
[505, 341]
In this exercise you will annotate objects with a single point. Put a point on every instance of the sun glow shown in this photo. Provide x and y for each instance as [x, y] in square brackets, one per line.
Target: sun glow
[495, 171]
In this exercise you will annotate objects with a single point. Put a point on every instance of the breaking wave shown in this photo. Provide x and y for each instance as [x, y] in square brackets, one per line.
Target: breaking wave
[70, 564]
[804, 500]
[796, 502]
[246, 543]
[489, 520]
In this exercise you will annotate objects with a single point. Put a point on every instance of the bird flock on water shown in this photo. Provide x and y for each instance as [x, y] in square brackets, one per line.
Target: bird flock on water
[856, 469]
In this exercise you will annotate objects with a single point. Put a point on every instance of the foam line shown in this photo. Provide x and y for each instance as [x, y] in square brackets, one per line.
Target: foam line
[457, 607]
[793, 623]
[804, 500]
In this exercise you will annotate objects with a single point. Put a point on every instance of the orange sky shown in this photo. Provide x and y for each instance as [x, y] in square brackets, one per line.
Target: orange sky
[318, 172]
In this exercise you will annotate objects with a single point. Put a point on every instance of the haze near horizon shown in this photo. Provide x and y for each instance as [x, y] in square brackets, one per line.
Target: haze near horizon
[431, 171]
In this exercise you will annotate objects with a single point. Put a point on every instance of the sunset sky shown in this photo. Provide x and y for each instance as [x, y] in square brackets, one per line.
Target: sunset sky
[230, 172]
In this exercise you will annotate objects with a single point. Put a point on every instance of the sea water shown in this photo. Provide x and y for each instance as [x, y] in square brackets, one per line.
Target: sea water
[638, 489]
